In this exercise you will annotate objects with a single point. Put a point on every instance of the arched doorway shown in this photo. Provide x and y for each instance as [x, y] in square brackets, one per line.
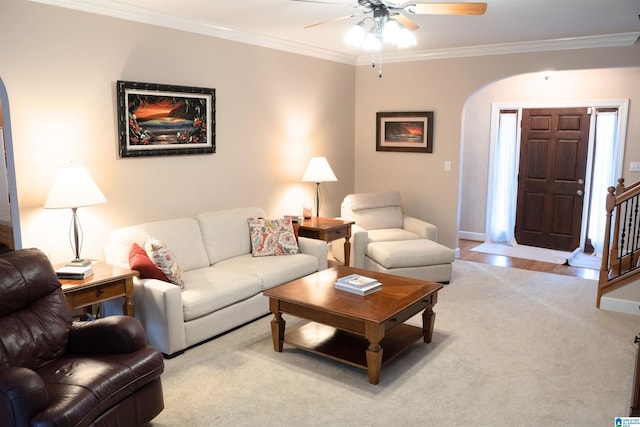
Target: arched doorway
[565, 87]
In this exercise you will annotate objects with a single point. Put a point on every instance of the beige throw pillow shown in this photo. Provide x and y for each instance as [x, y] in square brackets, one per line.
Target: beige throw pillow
[164, 260]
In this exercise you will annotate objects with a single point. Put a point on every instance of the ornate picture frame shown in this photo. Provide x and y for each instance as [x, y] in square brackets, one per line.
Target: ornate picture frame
[165, 120]
[405, 132]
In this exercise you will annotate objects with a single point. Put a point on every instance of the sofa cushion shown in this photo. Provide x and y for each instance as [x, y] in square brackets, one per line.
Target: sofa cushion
[140, 262]
[409, 253]
[373, 211]
[373, 200]
[373, 219]
[272, 270]
[182, 237]
[210, 289]
[165, 260]
[388, 234]
[225, 233]
[272, 237]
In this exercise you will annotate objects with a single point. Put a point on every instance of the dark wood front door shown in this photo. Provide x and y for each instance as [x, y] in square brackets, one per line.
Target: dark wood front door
[553, 163]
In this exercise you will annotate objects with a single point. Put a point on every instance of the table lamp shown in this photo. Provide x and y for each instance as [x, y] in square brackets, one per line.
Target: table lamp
[73, 188]
[318, 171]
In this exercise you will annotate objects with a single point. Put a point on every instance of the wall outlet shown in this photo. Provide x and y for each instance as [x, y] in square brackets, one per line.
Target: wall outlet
[634, 167]
[447, 166]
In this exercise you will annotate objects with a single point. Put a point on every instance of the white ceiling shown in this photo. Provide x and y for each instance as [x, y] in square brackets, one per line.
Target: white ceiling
[507, 26]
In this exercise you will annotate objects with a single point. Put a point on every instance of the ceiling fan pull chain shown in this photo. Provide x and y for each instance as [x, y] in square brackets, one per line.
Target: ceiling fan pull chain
[380, 70]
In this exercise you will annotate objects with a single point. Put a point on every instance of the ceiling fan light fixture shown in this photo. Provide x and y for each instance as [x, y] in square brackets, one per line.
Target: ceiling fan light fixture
[372, 42]
[355, 36]
[405, 38]
[391, 31]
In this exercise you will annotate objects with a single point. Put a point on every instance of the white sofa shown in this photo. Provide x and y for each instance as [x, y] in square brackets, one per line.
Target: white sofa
[223, 281]
[385, 239]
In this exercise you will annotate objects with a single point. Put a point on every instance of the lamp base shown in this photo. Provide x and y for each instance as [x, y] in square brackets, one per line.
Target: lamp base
[78, 263]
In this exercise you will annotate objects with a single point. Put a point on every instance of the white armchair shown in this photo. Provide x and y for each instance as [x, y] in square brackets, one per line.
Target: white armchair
[384, 239]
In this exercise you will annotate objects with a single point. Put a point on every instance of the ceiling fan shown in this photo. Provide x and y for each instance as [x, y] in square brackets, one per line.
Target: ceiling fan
[388, 23]
[383, 10]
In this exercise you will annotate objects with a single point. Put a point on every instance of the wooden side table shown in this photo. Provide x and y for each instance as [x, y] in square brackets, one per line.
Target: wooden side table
[107, 282]
[328, 229]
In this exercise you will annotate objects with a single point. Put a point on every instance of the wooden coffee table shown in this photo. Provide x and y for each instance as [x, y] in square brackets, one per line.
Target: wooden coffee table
[366, 332]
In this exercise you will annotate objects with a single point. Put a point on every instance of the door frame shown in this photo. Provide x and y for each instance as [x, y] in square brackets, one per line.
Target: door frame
[621, 104]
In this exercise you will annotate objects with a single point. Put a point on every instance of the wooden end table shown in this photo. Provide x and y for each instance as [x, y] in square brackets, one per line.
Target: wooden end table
[365, 332]
[328, 229]
[107, 282]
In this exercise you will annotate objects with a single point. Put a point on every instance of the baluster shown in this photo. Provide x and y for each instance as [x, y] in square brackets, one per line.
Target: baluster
[623, 241]
[613, 214]
[634, 249]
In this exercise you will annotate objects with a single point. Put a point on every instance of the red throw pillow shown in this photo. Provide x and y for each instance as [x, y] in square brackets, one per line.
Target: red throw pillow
[140, 261]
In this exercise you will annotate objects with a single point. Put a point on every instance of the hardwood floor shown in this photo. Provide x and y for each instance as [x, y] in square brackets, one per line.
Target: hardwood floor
[525, 264]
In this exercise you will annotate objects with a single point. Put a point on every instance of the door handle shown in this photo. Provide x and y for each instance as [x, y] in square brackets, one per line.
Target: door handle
[580, 181]
[579, 192]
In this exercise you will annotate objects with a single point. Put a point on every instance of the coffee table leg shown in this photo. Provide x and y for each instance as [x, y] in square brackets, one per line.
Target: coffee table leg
[277, 325]
[374, 334]
[428, 320]
[374, 362]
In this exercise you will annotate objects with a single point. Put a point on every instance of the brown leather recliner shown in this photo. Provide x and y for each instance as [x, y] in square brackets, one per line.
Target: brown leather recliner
[55, 372]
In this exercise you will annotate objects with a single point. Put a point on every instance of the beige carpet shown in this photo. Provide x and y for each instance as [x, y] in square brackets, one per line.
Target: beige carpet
[511, 348]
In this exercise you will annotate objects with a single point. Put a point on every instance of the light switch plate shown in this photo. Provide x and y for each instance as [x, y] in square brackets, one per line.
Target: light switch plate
[634, 167]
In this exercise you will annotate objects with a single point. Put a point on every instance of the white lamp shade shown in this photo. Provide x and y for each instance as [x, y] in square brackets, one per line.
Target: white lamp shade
[73, 187]
[318, 170]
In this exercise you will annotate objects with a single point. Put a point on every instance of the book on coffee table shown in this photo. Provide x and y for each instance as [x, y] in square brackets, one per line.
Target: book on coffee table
[363, 290]
[357, 284]
[356, 280]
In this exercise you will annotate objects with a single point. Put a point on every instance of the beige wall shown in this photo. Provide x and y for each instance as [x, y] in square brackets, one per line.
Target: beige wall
[584, 87]
[444, 86]
[274, 111]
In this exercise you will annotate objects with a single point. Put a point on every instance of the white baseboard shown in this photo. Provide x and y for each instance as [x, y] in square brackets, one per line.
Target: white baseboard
[623, 300]
[470, 235]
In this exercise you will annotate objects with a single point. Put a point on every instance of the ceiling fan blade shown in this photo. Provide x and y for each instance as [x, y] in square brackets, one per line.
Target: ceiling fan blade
[328, 21]
[406, 22]
[448, 8]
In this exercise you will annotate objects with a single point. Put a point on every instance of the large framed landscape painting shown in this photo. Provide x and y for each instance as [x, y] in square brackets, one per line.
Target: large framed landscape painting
[164, 120]
[408, 131]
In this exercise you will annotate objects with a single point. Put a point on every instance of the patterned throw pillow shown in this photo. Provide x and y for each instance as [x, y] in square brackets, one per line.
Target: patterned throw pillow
[272, 237]
[165, 260]
[139, 261]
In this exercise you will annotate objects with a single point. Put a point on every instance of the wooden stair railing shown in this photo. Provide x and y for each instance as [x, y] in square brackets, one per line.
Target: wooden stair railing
[621, 248]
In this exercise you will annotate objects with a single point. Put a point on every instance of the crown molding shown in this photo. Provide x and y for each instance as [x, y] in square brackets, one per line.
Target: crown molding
[588, 42]
[146, 16]
[139, 14]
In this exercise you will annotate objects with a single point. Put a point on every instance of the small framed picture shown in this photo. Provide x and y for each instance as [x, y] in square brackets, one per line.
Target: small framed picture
[164, 120]
[408, 131]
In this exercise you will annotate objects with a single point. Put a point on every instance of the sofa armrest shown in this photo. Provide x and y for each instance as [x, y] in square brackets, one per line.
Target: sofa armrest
[317, 248]
[161, 313]
[109, 335]
[22, 395]
[158, 306]
[418, 226]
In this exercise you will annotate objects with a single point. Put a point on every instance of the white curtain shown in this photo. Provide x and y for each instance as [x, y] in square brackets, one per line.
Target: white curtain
[503, 181]
[603, 174]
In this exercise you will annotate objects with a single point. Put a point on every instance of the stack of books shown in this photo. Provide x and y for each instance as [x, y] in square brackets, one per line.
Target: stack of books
[357, 284]
[74, 273]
